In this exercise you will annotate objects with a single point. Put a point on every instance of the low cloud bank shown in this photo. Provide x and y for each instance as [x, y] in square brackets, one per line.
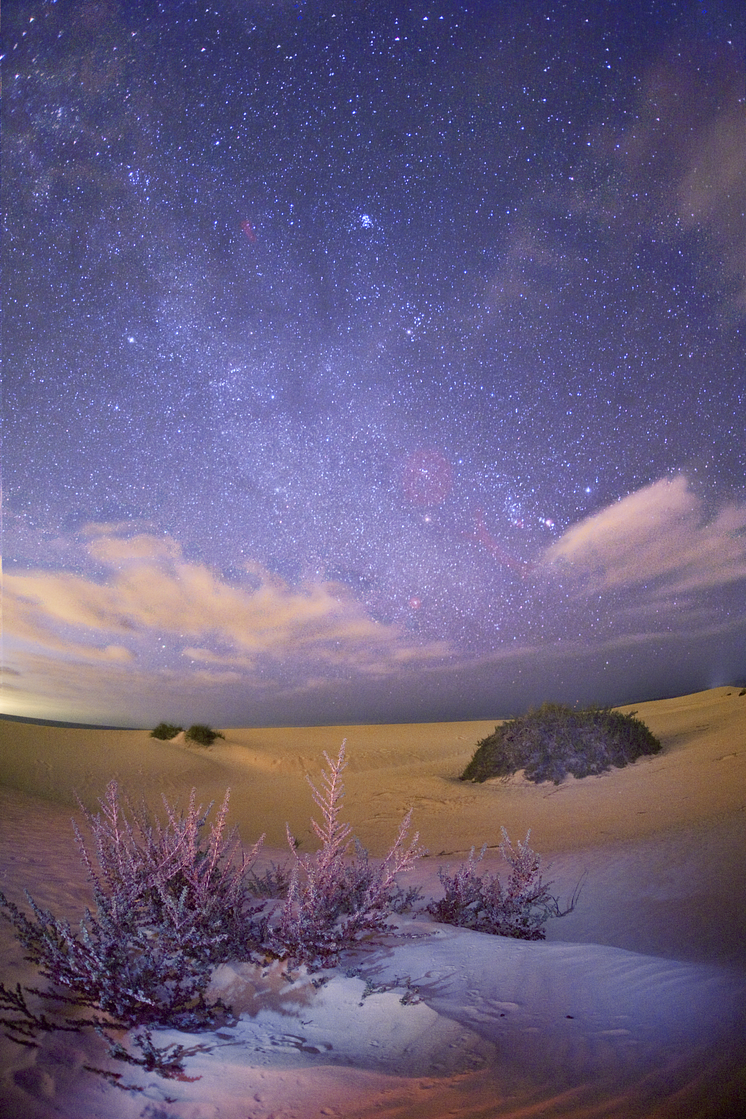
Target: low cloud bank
[154, 613]
[141, 632]
[150, 588]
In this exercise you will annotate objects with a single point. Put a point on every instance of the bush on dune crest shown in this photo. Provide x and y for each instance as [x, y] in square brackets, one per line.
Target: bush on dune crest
[165, 731]
[202, 734]
[554, 740]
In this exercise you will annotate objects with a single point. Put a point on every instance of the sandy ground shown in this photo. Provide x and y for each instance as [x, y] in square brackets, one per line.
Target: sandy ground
[635, 1005]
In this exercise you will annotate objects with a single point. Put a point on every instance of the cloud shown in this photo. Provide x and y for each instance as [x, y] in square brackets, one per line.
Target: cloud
[690, 139]
[712, 190]
[141, 632]
[146, 631]
[150, 590]
[659, 536]
[24, 622]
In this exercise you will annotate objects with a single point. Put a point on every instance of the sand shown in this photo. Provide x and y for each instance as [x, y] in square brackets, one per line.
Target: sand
[635, 1005]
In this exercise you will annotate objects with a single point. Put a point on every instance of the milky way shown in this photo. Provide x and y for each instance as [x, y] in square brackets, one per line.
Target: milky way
[371, 362]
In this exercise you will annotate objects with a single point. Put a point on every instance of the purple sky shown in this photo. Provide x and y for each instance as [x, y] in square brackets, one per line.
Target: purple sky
[371, 363]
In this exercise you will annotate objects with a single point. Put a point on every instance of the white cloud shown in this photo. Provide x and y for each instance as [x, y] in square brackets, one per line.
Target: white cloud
[154, 635]
[151, 591]
[660, 535]
[690, 132]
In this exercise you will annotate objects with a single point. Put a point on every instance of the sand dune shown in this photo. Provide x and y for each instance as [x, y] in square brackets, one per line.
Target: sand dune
[634, 1006]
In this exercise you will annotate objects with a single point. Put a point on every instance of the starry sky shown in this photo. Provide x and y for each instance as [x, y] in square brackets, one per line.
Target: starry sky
[369, 361]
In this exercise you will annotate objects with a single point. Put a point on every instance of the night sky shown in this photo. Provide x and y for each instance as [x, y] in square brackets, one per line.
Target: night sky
[371, 361]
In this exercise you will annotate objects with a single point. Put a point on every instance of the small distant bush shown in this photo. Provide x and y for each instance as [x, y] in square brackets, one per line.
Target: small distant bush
[202, 734]
[520, 909]
[165, 731]
[554, 740]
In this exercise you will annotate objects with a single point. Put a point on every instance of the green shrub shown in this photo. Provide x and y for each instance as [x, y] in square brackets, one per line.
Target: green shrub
[553, 741]
[202, 734]
[165, 731]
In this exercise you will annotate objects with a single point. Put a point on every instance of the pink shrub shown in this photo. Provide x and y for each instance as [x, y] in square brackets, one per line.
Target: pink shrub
[335, 896]
[519, 909]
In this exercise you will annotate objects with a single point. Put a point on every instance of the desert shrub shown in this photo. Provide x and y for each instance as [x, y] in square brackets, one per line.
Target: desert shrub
[519, 909]
[336, 896]
[554, 740]
[170, 903]
[274, 882]
[165, 731]
[25, 1024]
[202, 734]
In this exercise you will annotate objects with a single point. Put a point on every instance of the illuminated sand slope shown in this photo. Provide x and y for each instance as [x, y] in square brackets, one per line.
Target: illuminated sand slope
[634, 1006]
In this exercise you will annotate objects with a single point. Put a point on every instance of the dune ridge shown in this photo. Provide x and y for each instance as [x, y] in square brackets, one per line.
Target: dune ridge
[633, 1006]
